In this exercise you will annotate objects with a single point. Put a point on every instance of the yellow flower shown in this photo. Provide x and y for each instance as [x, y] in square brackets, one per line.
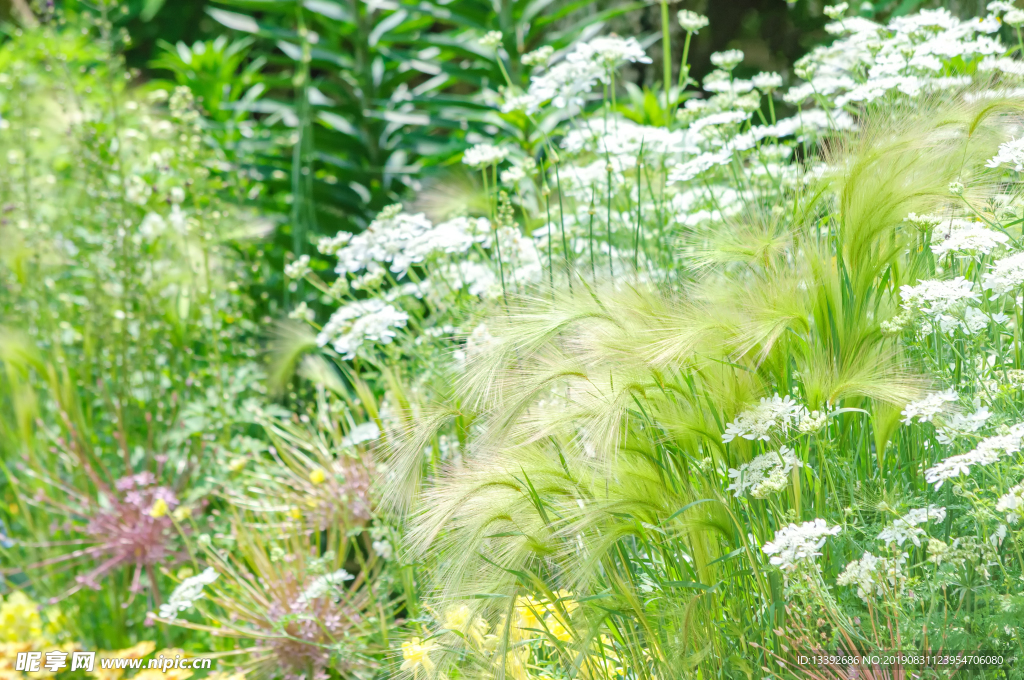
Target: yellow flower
[559, 616]
[19, 619]
[159, 508]
[460, 619]
[237, 464]
[528, 614]
[416, 655]
[182, 513]
[558, 629]
[564, 601]
[317, 476]
[295, 513]
[603, 663]
[516, 662]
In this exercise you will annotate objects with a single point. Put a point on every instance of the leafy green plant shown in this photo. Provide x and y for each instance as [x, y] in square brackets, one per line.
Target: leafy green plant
[122, 304]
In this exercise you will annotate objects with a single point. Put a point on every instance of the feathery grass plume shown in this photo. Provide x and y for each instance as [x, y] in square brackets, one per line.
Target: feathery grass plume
[902, 162]
[602, 416]
[291, 344]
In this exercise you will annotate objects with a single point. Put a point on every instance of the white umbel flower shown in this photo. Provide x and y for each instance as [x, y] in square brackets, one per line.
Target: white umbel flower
[924, 410]
[359, 322]
[969, 237]
[330, 245]
[767, 82]
[491, 39]
[870, 574]
[187, 592]
[1005, 275]
[1015, 18]
[322, 585]
[1010, 153]
[937, 296]
[1012, 503]
[795, 545]
[988, 451]
[907, 528]
[691, 22]
[484, 155]
[773, 413]
[298, 268]
[699, 165]
[539, 56]
[727, 60]
[611, 51]
[765, 474]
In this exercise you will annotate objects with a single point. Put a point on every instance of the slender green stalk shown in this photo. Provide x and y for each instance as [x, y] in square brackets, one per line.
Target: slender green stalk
[666, 56]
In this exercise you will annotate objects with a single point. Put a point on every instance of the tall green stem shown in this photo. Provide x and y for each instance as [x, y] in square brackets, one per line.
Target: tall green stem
[684, 67]
[666, 46]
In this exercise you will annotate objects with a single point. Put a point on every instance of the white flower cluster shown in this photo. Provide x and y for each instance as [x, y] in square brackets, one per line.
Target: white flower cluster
[361, 433]
[1005, 275]
[1010, 153]
[298, 268]
[568, 82]
[687, 171]
[795, 545]
[690, 21]
[773, 413]
[936, 297]
[870, 574]
[963, 424]
[361, 321]
[989, 451]
[924, 410]
[965, 236]
[484, 155]
[1012, 503]
[764, 475]
[188, 591]
[404, 240]
[322, 585]
[907, 57]
[907, 528]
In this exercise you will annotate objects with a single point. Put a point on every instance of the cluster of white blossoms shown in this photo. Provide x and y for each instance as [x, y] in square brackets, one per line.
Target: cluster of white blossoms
[937, 297]
[323, 585]
[966, 236]
[907, 528]
[451, 255]
[988, 451]
[798, 544]
[385, 239]
[764, 475]
[188, 591]
[1010, 153]
[297, 269]
[924, 410]
[567, 83]
[1005, 275]
[773, 413]
[684, 172]
[963, 424]
[908, 56]
[1012, 503]
[484, 155]
[872, 576]
[359, 322]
